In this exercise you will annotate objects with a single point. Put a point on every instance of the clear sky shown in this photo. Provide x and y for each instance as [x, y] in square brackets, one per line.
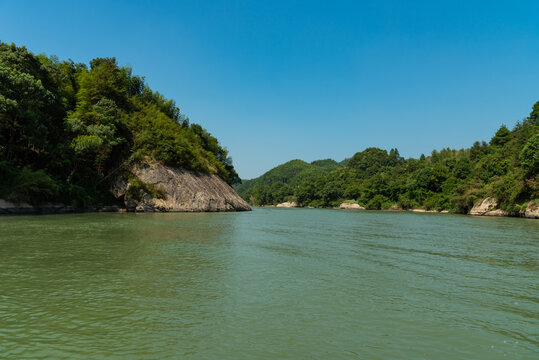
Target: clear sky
[279, 80]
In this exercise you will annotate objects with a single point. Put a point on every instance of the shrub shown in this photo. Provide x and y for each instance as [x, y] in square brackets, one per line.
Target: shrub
[34, 187]
[378, 202]
[138, 187]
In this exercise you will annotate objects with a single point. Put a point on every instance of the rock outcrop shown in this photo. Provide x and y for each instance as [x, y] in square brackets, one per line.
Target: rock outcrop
[532, 211]
[7, 207]
[487, 207]
[174, 190]
[177, 190]
[287, 204]
[11, 208]
[351, 206]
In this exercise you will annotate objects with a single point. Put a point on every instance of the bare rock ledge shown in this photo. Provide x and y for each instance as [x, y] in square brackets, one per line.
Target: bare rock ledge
[287, 204]
[10, 208]
[185, 191]
[532, 211]
[487, 207]
[351, 206]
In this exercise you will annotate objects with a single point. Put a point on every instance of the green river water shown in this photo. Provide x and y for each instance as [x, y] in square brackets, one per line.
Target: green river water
[269, 284]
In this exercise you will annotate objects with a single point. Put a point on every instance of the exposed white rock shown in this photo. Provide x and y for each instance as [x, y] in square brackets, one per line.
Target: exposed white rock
[532, 211]
[484, 206]
[288, 204]
[185, 191]
[351, 206]
[487, 207]
[497, 212]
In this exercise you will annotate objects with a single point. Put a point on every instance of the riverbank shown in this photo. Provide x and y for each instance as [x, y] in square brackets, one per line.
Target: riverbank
[486, 207]
[9, 208]
[151, 187]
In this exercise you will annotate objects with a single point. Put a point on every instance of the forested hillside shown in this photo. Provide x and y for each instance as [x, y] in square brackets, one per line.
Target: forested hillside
[66, 129]
[278, 183]
[505, 168]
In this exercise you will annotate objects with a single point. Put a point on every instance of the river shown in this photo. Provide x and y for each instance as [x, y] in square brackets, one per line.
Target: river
[269, 284]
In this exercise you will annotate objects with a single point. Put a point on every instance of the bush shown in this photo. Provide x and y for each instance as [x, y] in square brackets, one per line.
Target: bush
[33, 187]
[7, 174]
[78, 196]
[138, 187]
[406, 203]
[379, 202]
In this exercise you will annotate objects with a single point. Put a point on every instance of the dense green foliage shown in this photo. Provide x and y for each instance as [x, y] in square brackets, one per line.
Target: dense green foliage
[66, 129]
[506, 168]
[280, 182]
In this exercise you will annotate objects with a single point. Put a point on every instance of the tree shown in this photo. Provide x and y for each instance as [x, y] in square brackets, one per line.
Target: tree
[394, 157]
[30, 113]
[462, 168]
[369, 161]
[95, 141]
[104, 80]
[534, 115]
[502, 136]
[530, 155]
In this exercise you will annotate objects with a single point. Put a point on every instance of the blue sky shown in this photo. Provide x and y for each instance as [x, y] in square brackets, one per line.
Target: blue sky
[279, 80]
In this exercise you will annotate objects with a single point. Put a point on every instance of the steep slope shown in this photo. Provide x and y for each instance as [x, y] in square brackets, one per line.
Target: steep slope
[156, 187]
[67, 129]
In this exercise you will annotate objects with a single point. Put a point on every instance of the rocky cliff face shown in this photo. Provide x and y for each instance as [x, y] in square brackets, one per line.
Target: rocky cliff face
[487, 207]
[532, 211]
[176, 190]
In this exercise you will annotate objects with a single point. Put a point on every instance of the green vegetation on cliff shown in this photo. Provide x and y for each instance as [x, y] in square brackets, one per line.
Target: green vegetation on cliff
[505, 168]
[67, 128]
